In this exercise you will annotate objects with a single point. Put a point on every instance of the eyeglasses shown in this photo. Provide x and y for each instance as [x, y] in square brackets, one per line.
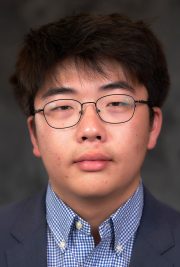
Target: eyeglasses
[114, 109]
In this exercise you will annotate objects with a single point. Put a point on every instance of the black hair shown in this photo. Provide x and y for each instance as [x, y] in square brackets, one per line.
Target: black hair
[91, 38]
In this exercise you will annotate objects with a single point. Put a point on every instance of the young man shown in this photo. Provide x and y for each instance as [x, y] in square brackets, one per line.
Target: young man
[92, 88]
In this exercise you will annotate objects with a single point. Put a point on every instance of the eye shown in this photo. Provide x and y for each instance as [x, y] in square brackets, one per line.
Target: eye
[118, 104]
[62, 108]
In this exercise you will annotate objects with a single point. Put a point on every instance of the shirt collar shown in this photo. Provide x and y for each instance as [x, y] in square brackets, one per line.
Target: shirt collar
[125, 221]
[127, 218]
[59, 216]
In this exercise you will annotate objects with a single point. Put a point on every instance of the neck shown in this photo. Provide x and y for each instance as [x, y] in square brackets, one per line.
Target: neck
[97, 209]
[96, 236]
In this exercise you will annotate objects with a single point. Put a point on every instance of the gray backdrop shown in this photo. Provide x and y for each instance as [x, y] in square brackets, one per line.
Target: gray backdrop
[20, 173]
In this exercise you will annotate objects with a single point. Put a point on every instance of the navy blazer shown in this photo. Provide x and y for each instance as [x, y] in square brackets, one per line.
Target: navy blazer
[23, 235]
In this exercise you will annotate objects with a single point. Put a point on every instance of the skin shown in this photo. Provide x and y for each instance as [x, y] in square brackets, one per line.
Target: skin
[91, 186]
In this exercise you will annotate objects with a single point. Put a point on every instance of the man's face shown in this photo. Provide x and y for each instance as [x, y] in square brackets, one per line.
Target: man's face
[93, 159]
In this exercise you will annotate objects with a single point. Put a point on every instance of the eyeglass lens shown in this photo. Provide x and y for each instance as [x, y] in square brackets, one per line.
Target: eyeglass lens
[63, 113]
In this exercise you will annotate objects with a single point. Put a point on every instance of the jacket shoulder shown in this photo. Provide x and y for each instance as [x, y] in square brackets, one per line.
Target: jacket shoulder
[9, 212]
[158, 236]
[20, 211]
[161, 219]
[161, 210]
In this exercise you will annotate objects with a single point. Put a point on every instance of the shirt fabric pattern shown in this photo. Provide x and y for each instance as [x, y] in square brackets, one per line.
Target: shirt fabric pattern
[69, 239]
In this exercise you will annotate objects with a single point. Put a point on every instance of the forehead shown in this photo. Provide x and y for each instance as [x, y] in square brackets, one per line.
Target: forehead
[82, 77]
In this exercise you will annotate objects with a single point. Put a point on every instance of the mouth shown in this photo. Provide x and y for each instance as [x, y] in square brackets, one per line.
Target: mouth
[92, 162]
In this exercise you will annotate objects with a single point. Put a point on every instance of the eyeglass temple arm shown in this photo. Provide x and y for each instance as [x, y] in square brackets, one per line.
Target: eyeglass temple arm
[37, 111]
[147, 102]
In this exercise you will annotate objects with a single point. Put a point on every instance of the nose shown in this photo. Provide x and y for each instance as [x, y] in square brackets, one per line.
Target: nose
[91, 128]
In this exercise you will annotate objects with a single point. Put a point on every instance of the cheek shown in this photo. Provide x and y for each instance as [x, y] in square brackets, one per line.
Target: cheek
[132, 140]
[52, 145]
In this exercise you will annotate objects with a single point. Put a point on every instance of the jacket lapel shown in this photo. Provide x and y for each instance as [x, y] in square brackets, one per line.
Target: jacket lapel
[29, 234]
[154, 239]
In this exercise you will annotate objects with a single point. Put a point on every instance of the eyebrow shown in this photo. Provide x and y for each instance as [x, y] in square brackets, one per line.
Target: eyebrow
[68, 90]
[118, 85]
[58, 90]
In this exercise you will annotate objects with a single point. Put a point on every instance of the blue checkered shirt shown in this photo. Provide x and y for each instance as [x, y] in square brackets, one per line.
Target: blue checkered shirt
[69, 239]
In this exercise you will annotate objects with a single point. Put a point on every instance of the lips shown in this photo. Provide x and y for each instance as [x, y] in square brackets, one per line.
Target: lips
[92, 161]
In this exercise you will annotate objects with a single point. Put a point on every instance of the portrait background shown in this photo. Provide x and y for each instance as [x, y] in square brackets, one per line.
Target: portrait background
[20, 173]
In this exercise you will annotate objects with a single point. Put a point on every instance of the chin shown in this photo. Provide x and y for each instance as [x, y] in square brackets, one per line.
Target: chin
[95, 193]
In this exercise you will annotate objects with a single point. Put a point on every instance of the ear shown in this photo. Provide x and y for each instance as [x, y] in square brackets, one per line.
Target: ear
[155, 128]
[33, 136]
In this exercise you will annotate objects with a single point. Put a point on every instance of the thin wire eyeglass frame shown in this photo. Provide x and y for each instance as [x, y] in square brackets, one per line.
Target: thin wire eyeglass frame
[140, 101]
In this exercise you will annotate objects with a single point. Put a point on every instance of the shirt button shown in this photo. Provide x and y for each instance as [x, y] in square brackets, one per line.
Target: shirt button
[62, 244]
[79, 225]
[119, 248]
